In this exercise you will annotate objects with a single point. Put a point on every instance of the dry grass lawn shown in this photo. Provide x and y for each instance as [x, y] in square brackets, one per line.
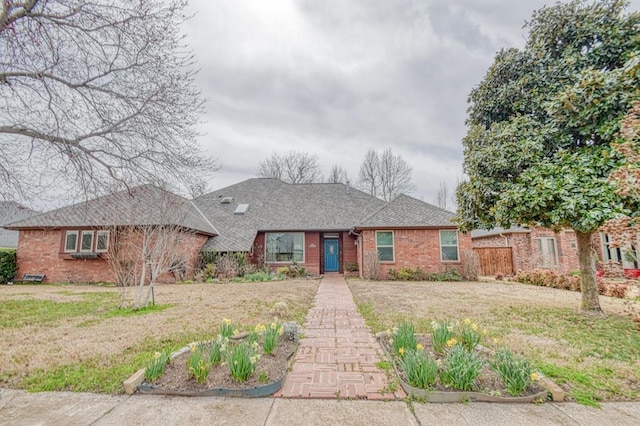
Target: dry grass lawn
[593, 358]
[96, 337]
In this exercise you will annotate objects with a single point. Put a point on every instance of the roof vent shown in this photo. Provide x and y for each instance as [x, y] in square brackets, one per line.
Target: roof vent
[226, 200]
[241, 209]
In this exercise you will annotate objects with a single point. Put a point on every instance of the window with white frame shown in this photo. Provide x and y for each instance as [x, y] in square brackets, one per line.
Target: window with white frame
[71, 242]
[384, 246]
[102, 241]
[449, 245]
[284, 247]
[546, 250]
[86, 241]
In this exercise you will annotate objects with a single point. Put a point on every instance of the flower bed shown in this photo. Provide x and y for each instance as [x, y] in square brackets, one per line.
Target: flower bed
[449, 365]
[252, 364]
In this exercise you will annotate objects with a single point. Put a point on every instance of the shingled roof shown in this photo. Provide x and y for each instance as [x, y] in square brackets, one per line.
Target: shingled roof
[408, 212]
[142, 205]
[10, 211]
[274, 205]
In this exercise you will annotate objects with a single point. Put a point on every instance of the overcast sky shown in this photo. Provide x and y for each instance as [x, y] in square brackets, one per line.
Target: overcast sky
[335, 77]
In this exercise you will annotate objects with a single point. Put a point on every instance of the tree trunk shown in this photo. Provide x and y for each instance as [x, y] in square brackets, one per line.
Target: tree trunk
[143, 273]
[588, 284]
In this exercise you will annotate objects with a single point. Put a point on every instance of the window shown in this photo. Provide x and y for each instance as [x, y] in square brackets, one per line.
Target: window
[86, 241]
[71, 242]
[547, 251]
[449, 246]
[285, 247]
[102, 241]
[384, 246]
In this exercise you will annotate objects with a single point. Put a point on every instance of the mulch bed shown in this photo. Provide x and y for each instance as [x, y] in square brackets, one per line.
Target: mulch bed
[488, 382]
[177, 379]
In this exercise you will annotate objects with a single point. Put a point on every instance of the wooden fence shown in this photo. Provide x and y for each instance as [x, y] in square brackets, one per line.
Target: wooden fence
[495, 260]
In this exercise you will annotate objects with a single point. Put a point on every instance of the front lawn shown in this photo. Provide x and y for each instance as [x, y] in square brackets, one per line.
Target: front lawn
[593, 359]
[76, 338]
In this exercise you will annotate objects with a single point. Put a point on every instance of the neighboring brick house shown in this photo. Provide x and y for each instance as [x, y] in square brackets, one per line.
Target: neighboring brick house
[531, 247]
[11, 211]
[322, 226]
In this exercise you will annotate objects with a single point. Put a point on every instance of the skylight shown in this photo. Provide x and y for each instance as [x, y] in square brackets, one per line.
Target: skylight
[241, 209]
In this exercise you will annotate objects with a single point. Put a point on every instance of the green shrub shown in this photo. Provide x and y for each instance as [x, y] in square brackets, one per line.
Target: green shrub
[515, 371]
[293, 271]
[351, 266]
[155, 369]
[419, 369]
[8, 266]
[448, 275]
[461, 368]
[198, 364]
[553, 279]
[441, 333]
[242, 359]
[403, 339]
[407, 274]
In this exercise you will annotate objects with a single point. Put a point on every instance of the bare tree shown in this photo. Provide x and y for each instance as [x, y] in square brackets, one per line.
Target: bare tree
[385, 176]
[443, 195]
[338, 174]
[292, 167]
[96, 91]
[369, 172]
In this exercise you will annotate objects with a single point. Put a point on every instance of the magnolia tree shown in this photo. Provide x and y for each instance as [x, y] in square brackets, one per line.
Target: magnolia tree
[539, 148]
[624, 231]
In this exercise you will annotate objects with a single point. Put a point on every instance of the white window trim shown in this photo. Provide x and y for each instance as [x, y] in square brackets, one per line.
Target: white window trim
[457, 246]
[75, 249]
[286, 262]
[90, 250]
[393, 246]
[555, 252]
[97, 238]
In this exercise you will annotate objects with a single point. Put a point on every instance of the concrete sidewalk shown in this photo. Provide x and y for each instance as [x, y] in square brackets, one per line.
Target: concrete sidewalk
[19, 408]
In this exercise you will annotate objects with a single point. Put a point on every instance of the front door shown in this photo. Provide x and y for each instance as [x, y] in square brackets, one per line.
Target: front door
[331, 256]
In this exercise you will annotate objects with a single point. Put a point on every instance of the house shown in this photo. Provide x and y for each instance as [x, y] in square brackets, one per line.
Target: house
[325, 227]
[11, 211]
[507, 251]
[71, 244]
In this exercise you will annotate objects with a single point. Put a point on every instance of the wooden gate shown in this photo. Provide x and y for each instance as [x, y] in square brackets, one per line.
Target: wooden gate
[495, 260]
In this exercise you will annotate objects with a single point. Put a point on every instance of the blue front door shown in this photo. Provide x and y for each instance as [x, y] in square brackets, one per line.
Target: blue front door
[331, 256]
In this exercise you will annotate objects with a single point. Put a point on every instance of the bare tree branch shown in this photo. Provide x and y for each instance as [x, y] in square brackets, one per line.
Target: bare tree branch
[293, 167]
[95, 92]
[338, 174]
[385, 176]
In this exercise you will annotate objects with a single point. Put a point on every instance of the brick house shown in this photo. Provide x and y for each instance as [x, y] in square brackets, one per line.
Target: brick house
[323, 226]
[531, 248]
[11, 211]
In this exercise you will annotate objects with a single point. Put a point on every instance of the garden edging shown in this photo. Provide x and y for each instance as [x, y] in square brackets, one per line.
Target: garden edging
[436, 396]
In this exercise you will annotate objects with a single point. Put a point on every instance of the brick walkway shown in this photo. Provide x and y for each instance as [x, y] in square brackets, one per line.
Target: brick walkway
[337, 356]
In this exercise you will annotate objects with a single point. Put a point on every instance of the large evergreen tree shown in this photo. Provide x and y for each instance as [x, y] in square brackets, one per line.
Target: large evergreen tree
[542, 122]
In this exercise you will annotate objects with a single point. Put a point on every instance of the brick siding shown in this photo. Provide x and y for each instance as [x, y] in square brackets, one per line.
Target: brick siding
[40, 251]
[413, 248]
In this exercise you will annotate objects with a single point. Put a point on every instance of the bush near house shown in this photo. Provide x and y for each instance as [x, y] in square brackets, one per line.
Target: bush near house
[553, 279]
[8, 266]
[416, 274]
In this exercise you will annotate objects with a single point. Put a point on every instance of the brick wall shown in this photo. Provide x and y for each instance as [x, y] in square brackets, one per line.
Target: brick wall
[313, 251]
[413, 248]
[525, 251]
[40, 251]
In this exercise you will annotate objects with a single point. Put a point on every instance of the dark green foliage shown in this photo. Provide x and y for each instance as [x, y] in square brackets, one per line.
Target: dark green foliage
[542, 122]
[416, 274]
[8, 266]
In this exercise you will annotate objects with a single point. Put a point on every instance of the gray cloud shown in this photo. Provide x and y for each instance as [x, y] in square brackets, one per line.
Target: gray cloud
[335, 77]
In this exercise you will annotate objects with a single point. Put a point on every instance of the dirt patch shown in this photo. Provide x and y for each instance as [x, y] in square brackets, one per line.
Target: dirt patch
[196, 308]
[272, 366]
